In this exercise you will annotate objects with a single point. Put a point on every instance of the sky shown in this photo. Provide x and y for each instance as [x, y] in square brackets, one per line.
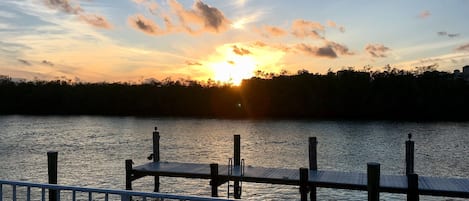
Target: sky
[143, 40]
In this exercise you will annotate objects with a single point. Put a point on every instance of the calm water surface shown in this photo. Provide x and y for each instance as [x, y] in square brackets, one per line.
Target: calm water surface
[92, 150]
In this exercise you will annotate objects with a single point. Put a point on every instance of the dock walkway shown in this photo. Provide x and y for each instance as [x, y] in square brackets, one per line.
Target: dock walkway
[434, 186]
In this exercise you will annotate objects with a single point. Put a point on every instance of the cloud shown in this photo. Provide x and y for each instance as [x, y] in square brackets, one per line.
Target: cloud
[145, 25]
[47, 63]
[377, 50]
[444, 33]
[91, 19]
[64, 5]
[25, 62]
[325, 51]
[193, 63]
[272, 31]
[203, 16]
[240, 51]
[96, 21]
[333, 24]
[425, 14]
[231, 62]
[304, 29]
[464, 48]
[341, 49]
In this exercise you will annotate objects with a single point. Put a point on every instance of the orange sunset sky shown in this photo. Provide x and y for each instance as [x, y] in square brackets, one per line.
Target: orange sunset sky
[137, 40]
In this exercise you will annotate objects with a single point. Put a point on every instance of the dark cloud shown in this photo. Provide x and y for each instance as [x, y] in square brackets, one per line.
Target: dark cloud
[213, 18]
[47, 63]
[464, 48]
[145, 25]
[377, 50]
[326, 51]
[341, 49]
[425, 14]
[444, 33]
[91, 19]
[193, 63]
[64, 5]
[25, 62]
[231, 62]
[204, 17]
[307, 29]
[240, 51]
[96, 21]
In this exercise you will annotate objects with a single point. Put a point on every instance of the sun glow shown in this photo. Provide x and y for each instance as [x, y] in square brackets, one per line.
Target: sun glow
[234, 62]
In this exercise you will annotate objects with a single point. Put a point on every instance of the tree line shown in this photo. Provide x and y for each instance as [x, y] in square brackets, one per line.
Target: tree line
[346, 94]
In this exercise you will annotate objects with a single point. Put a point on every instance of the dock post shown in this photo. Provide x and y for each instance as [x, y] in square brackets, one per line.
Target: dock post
[413, 187]
[237, 163]
[156, 156]
[128, 174]
[409, 155]
[313, 164]
[373, 174]
[214, 179]
[52, 173]
[304, 184]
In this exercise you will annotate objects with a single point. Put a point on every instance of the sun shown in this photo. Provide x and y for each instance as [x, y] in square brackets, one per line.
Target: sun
[233, 68]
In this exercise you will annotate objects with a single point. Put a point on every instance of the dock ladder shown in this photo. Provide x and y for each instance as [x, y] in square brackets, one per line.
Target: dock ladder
[237, 183]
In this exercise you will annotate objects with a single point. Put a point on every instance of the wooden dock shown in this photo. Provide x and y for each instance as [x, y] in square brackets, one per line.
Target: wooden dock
[307, 179]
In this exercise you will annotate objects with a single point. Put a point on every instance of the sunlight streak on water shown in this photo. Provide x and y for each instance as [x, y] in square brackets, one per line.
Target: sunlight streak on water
[92, 150]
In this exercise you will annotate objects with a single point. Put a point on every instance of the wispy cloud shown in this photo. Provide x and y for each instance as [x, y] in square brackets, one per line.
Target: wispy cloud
[24, 62]
[199, 19]
[450, 35]
[424, 14]
[193, 63]
[330, 50]
[462, 48]
[92, 19]
[307, 29]
[377, 50]
[271, 31]
[240, 51]
[49, 63]
[145, 25]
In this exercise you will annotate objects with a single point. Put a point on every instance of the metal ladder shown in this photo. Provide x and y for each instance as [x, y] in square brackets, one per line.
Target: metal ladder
[230, 174]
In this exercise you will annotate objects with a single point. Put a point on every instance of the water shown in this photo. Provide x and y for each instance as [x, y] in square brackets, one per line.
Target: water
[92, 150]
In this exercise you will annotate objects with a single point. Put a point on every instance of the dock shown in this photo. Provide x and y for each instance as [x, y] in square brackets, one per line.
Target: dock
[307, 179]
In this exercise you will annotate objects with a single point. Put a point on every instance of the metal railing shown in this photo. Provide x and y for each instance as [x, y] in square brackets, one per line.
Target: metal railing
[122, 195]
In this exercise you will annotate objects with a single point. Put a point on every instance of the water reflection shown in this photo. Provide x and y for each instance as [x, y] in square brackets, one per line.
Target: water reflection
[92, 150]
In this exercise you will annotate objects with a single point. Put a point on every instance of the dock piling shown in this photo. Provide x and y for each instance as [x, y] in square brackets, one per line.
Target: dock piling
[128, 174]
[237, 163]
[52, 173]
[313, 163]
[413, 187]
[373, 174]
[304, 184]
[214, 179]
[156, 156]
[409, 155]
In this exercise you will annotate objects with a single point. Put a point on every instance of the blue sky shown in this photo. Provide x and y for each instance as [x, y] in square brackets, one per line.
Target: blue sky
[137, 40]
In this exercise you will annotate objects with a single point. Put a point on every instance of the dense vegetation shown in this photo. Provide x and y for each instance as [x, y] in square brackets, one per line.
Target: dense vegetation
[348, 94]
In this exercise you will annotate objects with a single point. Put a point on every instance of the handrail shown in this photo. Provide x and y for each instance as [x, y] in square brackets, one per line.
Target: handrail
[123, 193]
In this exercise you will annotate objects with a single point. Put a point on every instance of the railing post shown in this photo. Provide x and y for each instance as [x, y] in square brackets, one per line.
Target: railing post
[413, 187]
[373, 174]
[304, 184]
[1, 192]
[237, 162]
[409, 155]
[313, 164]
[52, 173]
[156, 156]
[214, 179]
